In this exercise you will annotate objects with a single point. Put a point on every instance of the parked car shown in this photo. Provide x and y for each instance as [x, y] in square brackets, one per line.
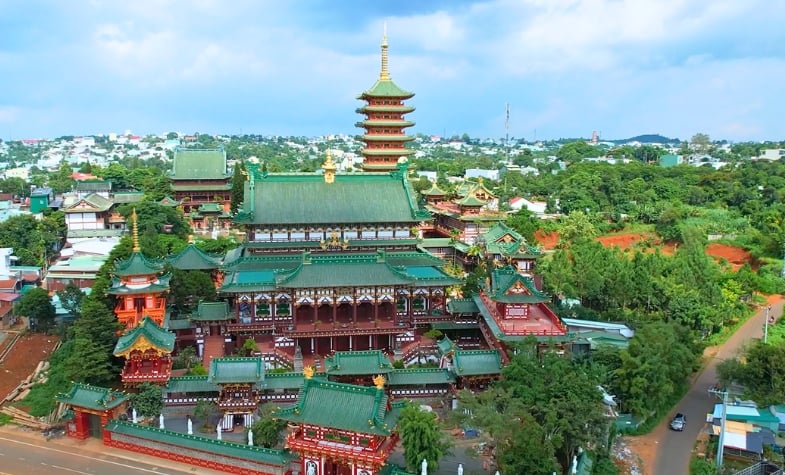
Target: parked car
[679, 422]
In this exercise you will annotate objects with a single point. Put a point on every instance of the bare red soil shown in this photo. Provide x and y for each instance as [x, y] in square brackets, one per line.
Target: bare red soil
[547, 241]
[735, 256]
[21, 361]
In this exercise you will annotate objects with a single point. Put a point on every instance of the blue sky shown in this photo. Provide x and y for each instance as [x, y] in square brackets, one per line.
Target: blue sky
[566, 67]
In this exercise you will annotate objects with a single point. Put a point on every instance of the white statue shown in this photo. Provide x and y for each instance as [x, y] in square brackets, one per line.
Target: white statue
[250, 437]
[424, 467]
[218, 431]
[310, 468]
[134, 417]
[460, 469]
[161, 421]
[190, 427]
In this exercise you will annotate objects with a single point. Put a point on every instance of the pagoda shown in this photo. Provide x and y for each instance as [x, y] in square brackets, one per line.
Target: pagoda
[140, 286]
[384, 122]
[342, 429]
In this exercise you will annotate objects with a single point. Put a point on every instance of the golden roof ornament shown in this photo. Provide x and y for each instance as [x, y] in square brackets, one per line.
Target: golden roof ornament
[135, 231]
[379, 381]
[308, 372]
[329, 168]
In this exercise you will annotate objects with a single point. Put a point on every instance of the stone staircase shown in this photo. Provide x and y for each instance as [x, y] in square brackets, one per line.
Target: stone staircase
[213, 348]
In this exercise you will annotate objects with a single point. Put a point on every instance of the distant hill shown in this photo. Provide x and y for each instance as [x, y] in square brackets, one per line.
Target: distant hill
[648, 138]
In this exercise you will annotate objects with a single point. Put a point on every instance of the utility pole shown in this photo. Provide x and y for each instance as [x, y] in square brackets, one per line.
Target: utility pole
[766, 326]
[721, 442]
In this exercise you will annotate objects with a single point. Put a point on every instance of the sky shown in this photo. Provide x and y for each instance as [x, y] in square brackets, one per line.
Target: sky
[565, 67]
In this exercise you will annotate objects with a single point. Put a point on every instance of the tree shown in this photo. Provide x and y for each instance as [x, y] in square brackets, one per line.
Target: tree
[762, 372]
[202, 411]
[655, 366]
[36, 305]
[575, 151]
[71, 298]
[526, 449]
[188, 287]
[421, 438]
[267, 430]
[149, 400]
[249, 347]
[238, 187]
[90, 363]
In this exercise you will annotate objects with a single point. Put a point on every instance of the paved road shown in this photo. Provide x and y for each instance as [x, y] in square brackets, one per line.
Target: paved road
[675, 448]
[29, 454]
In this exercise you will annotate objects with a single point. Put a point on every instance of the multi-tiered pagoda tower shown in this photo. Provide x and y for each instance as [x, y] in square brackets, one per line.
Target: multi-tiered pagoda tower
[384, 122]
[140, 287]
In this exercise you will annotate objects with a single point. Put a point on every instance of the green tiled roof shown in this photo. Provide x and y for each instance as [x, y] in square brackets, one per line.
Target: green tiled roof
[125, 197]
[179, 324]
[191, 384]
[385, 88]
[148, 330]
[477, 362]
[212, 311]
[118, 288]
[217, 186]
[193, 258]
[370, 362]
[280, 458]
[92, 397]
[419, 376]
[515, 245]
[384, 123]
[315, 270]
[93, 185]
[236, 370]
[470, 200]
[199, 164]
[169, 201]
[360, 409]
[414, 259]
[138, 264]
[462, 306]
[446, 345]
[211, 208]
[366, 109]
[305, 198]
[273, 381]
[434, 191]
[94, 201]
[393, 470]
[505, 278]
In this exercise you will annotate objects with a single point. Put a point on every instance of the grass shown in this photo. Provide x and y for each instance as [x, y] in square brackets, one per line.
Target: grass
[5, 419]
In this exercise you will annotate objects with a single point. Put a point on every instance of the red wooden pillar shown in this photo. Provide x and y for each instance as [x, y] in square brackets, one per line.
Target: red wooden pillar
[315, 311]
[354, 312]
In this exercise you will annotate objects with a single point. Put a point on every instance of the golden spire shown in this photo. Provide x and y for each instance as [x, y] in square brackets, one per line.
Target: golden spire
[135, 231]
[384, 75]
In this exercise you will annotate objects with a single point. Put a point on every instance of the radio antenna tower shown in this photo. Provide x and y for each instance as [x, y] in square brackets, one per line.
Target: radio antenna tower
[507, 133]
